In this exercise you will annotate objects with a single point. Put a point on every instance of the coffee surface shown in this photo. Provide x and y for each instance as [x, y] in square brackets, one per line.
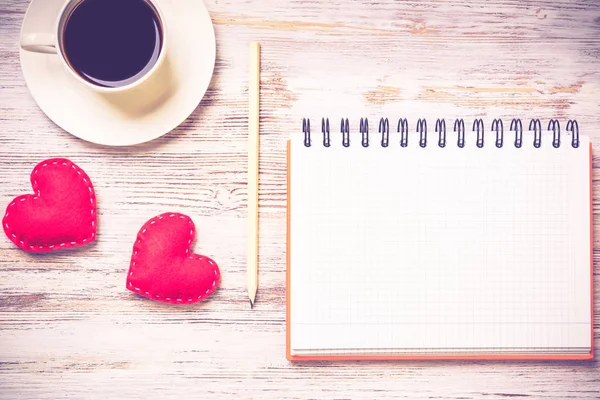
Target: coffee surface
[112, 43]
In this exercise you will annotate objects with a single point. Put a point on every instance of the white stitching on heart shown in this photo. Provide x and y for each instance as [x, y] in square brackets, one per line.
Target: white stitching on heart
[198, 257]
[36, 190]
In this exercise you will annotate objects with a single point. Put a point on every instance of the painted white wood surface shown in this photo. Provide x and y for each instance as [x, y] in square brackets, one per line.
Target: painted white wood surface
[68, 327]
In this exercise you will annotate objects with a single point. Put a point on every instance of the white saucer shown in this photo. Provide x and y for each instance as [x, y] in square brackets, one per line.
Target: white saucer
[191, 53]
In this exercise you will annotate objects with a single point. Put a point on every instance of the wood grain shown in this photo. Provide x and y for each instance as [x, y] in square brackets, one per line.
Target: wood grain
[68, 327]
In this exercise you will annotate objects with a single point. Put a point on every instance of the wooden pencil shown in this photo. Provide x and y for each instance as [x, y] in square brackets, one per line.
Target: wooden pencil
[253, 157]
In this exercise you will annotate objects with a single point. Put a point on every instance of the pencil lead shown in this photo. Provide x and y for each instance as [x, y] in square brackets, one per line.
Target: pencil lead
[251, 304]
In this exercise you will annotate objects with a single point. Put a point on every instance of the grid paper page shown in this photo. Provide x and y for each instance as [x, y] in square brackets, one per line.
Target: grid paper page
[437, 249]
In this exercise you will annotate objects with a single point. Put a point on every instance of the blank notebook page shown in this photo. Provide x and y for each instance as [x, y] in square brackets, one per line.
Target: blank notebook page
[439, 250]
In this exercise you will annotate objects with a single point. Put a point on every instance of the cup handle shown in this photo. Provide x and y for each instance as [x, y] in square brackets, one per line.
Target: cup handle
[39, 43]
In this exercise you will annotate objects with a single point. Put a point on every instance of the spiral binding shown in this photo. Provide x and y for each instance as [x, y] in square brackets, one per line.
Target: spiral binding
[573, 126]
[384, 129]
[403, 130]
[554, 125]
[326, 133]
[459, 128]
[422, 130]
[537, 132]
[364, 130]
[345, 130]
[306, 131]
[516, 126]
[478, 125]
[498, 126]
[440, 128]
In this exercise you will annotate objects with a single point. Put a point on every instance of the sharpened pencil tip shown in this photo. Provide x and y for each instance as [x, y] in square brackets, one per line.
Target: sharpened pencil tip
[251, 304]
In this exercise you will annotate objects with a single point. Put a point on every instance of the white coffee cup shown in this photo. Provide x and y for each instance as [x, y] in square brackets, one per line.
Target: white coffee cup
[52, 43]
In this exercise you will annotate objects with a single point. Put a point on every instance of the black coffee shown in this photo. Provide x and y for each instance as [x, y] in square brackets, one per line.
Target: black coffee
[112, 43]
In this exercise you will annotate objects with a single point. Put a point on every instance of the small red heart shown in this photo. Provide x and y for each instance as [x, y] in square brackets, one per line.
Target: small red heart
[60, 215]
[162, 266]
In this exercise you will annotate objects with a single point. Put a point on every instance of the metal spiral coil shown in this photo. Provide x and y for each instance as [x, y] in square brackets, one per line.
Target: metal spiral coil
[517, 126]
[440, 128]
[345, 129]
[554, 126]
[422, 131]
[325, 131]
[306, 131]
[497, 127]
[459, 128]
[364, 131]
[384, 129]
[536, 126]
[403, 130]
[573, 126]
[479, 128]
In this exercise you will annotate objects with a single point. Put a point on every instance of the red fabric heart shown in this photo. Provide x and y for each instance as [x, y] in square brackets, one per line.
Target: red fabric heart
[60, 215]
[162, 266]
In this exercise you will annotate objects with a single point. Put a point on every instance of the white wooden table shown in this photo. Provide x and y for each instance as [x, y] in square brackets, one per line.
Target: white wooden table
[68, 327]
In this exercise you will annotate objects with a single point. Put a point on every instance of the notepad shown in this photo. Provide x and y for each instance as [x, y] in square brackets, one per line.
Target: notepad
[400, 247]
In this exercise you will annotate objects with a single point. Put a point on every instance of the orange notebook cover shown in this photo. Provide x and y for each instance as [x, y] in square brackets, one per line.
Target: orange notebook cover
[320, 313]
